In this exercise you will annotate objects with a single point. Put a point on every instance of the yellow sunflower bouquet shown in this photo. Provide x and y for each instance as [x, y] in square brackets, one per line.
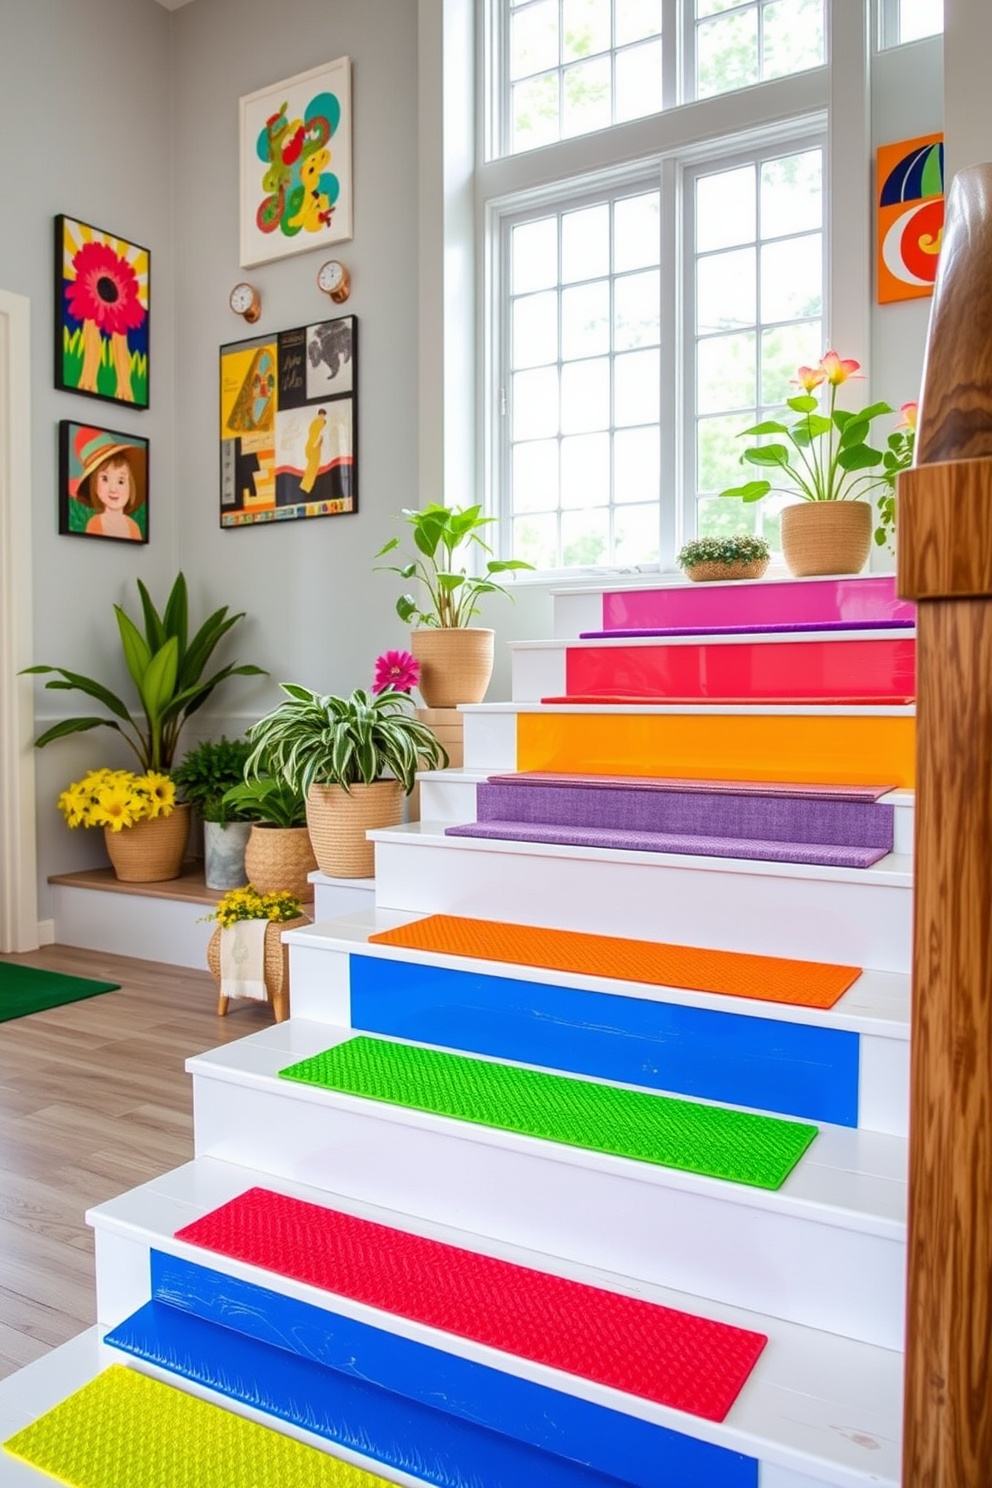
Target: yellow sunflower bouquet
[117, 799]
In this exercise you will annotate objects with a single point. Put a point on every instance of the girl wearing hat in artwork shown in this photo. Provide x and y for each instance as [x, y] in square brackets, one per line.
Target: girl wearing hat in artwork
[110, 484]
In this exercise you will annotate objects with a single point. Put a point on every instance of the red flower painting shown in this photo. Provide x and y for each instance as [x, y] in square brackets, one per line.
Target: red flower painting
[105, 290]
[102, 313]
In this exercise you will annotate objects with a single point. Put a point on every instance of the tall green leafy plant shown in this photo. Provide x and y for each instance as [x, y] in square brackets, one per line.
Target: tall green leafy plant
[453, 593]
[167, 668]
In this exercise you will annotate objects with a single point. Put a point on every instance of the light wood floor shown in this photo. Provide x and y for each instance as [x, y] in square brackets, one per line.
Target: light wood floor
[94, 1099]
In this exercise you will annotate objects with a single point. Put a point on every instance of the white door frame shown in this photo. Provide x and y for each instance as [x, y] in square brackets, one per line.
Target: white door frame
[18, 843]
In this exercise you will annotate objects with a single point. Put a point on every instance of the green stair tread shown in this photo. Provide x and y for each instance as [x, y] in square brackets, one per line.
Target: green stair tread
[714, 1141]
[126, 1430]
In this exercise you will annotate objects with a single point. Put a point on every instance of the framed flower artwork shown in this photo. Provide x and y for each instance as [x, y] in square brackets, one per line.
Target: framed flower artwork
[103, 483]
[101, 314]
[296, 180]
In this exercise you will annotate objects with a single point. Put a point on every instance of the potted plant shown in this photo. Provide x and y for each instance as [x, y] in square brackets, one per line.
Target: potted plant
[144, 830]
[828, 463]
[202, 777]
[278, 854]
[253, 963]
[166, 667]
[353, 759]
[709, 558]
[456, 658]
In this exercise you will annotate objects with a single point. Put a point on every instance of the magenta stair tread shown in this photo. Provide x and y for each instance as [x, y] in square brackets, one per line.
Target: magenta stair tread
[818, 626]
[804, 792]
[825, 855]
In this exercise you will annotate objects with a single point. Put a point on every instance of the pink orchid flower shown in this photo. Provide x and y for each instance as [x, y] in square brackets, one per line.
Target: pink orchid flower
[836, 370]
[396, 669]
[809, 378]
[909, 413]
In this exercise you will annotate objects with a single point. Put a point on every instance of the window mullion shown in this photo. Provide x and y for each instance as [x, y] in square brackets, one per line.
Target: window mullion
[672, 312]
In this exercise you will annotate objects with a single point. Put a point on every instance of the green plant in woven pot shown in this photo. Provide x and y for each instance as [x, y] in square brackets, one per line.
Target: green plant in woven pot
[353, 759]
[278, 856]
[710, 558]
[203, 777]
[456, 657]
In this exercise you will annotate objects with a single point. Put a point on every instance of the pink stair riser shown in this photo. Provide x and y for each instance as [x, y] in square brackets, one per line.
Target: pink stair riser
[761, 603]
[818, 670]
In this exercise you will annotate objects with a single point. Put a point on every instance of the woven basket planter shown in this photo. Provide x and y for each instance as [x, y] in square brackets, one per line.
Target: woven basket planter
[150, 851]
[338, 820]
[706, 573]
[276, 965]
[280, 858]
[826, 537]
[455, 665]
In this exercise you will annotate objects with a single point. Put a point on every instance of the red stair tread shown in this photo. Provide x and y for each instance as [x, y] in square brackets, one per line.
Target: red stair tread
[689, 1363]
[639, 699]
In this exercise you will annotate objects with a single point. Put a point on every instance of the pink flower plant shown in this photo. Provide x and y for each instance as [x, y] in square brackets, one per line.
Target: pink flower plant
[396, 669]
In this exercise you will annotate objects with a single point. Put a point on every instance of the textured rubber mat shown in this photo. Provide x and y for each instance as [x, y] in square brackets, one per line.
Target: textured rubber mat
[811, 792]
[125, 1430]
[690, 1363]
[762, 978]
[696, 1138]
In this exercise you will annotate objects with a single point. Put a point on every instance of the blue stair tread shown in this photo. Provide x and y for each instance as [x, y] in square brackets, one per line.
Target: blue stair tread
[825, 855]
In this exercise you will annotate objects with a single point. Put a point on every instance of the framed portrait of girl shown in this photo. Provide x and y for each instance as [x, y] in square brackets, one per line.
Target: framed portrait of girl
[103, 483]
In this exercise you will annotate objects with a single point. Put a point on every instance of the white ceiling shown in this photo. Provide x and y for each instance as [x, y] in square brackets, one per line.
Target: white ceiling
[173, 4]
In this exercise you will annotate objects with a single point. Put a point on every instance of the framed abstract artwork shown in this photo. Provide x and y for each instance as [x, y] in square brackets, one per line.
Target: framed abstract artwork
[296, 179]
[102, 303]
[289, 424]
[103, 483]
[910, 217]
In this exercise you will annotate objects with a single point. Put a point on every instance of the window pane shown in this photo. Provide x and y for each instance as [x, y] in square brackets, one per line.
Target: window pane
[535, 330]
[636, 388]
[719, 516]
[585, 537]
[727, 53]
[535, 540]
[585, 470]
[718, 454]
[792, 37]
[725, 209]
[635, 535]
[637, 232]
[714, 7]
[792, 194]
[534, 110]
[637, 310]
[638, 74]
[587, 28]
[725, 291]
[783, 350]
[792, 278]
[534, 255]
[920, 18]
[588, 97]
[637, 465]
[636, 19]
[725, 373]
[585, 396]
[535, 476]
[534, 39]
[585, 320]
[535, 404]
[585, 244]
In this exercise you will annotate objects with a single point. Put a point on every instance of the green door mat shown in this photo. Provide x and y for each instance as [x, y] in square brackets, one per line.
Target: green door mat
[27, 989]
[124, 1430]
[745, 1148]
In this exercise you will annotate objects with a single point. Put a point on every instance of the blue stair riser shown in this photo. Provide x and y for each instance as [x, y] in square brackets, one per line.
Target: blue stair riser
[793, 1069]
[772, 818]
[442, 1418]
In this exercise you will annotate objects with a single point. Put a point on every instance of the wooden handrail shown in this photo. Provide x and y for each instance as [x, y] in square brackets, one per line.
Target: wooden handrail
[945, 564]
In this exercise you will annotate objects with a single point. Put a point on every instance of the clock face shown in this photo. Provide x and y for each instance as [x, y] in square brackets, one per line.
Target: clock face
[330, 276]
[242, 298]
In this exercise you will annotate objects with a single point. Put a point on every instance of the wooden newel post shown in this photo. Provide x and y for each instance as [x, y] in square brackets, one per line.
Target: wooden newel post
[945, 564]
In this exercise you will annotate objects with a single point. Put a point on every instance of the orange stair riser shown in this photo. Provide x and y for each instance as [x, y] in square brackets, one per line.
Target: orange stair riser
[828, 749]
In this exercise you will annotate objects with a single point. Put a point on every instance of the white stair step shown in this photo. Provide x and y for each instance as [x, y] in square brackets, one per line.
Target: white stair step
[808, 1410]
[153, 929]
[333, 897]
[826, 1250]
[449, 795]
[860, 917]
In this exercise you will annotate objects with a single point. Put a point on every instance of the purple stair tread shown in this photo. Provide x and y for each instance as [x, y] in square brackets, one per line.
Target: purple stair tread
[806, 792]
[813, 854]
[732, 630]
[691, 814]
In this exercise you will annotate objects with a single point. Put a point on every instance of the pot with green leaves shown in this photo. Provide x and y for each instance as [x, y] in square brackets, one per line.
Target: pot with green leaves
[278, 857]
[456, 658]
[202, 777]
[353, 759]
[713, 558]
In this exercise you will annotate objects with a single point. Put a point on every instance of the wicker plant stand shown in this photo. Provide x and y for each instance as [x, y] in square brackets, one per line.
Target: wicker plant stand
[276, 966]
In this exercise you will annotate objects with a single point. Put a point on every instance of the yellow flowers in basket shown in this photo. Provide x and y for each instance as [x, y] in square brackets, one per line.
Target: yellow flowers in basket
[117, 799]
[248, 904]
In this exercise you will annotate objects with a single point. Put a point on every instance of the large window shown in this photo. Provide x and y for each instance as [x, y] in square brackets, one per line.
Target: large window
[901, 21]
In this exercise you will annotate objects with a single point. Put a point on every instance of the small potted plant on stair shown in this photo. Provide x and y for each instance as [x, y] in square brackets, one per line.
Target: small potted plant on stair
[456, 658]
[353, 759]
[710, 558]
[278, 856]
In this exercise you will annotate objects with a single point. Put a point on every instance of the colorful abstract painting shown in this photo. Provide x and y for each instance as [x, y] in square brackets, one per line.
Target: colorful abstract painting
[288, 424]
[910, 188]
[103, 483]
[296, 186]
[101, 313]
